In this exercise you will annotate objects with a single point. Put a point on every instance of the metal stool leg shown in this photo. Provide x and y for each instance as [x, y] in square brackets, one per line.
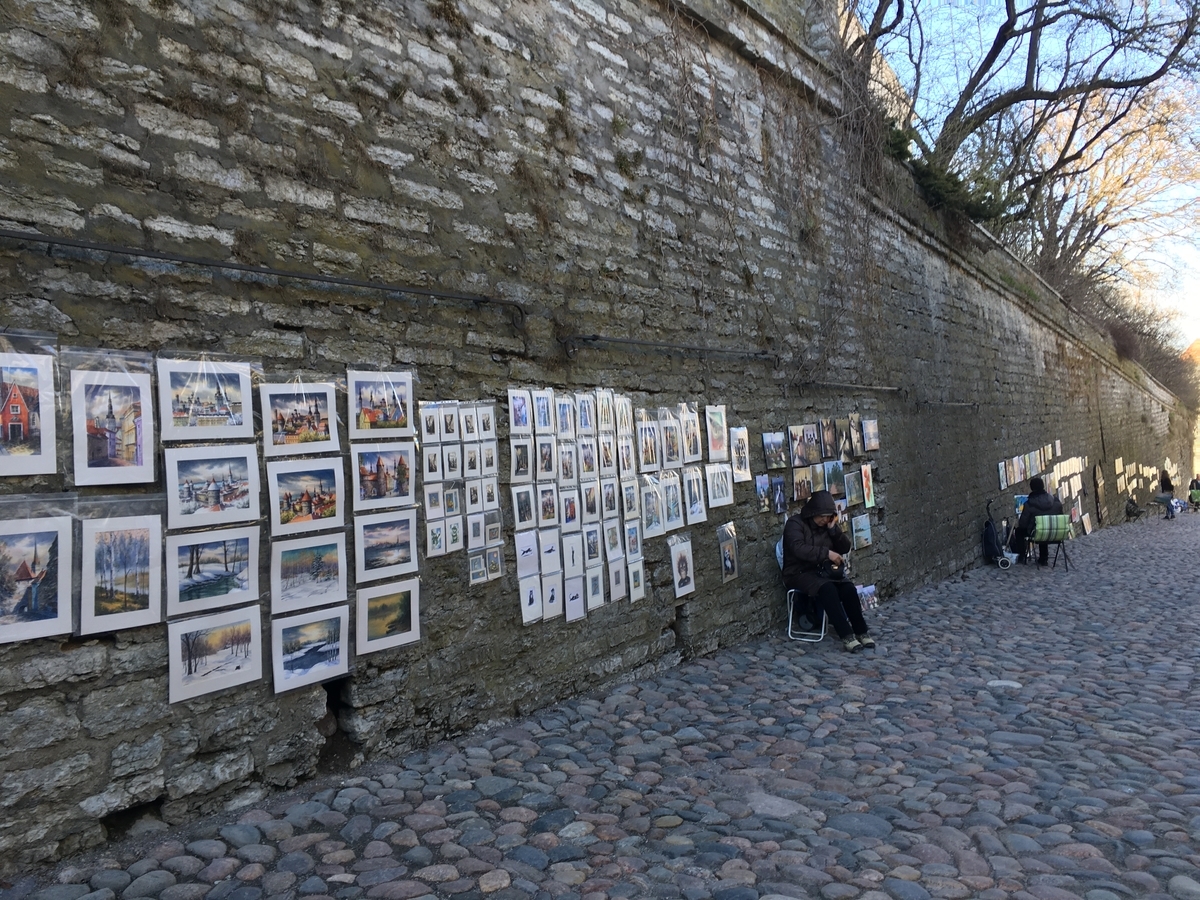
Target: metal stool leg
[796, 634]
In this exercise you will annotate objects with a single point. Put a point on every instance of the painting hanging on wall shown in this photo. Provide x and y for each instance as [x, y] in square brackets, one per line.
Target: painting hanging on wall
[204, 400]
[718, 433]
[298, 418]
[121, 577]
[861, 530]
[306, 495]
[112, 418]
[210, 569]
[383, 474]
[308, 572]
[829, 444]
[868, 480]
[383, 544]
[27, 416]
[681, 566]
[739, 443]
[380, 404]
[854, 488]
[870, 429]
[211, 653]
[35, 564]
[215, 485]
[310, 648]
[774, 449]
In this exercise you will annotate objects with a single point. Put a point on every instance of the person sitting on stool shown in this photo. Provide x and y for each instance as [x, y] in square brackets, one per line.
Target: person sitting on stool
[1038, 503]
[809, 539]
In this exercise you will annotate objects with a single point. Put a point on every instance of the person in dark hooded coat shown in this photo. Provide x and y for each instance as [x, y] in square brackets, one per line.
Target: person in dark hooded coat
[809, 539]
[1038, 503]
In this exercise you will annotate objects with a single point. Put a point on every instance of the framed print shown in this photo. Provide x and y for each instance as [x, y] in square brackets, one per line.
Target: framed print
[546, 454]
[727, 544]
[672, 440]
[306, 495]
[211, 569]
[564, 417]
[310, 648]
[605, 413]
[653, 524]
[606, 454]
[486, 413]
[431, 423]
[649, 442]
[616, 580]
[547, 504]
[308, 572]
[452, 461]
[693, 495]
[477, 567]
[567, 468]
[476, 532]
[718, 436]
[1003, 476]
[36, 564]
[529, 590]
[521, 459]
[491, 493]
[623, 412]
[488, 459]
[211, 485]
[860, 529]
[572, 555]
[594, 585]
[112, 419]
[774, 449]
[762, 492]
[845, 447]
[27, 417]
[856, 436]
[520, 412]
[870, 430]
[552, 596]
[574, 606]
[383, 474]
[636, 575]
[626, 461]
[549, 550]
[381, 404]
[388, 615]
[633, 540]
[720, 484]
[468, 422]
[614, 540]
[630, 507]
[568, 504]
[433, 500]
[524, 514]
[298, 418]
[543, 412]
[672, 500]
[435, 538]
[589, 466]
[121, 578]
[585, 413]
[455, 534]
[689, 422]
[383, 544]
[214, 652]
[610, 506]
[739, 448]
[593, 544]
[204, 400]
[473, 496]
[448, 411]
[590, 492]
[868, 481]
[829, 446]
[854, 488]
[471, 461]
[681, 567]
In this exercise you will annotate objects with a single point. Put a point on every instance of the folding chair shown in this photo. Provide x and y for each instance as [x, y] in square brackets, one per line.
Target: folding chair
[1053, 530]
[794, 633]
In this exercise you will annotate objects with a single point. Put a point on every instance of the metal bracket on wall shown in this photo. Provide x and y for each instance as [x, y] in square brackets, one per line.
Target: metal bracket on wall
[516, 310]
[573, 342]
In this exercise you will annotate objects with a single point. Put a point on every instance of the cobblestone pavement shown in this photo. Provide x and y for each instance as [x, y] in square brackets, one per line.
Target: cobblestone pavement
[1025, 734]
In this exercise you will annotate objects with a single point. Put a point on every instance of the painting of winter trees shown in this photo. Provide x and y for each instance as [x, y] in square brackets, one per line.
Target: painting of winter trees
[210, 653]
[310, 648]
[35, 577]
[121, 573]
[308, 572]
[211, 569]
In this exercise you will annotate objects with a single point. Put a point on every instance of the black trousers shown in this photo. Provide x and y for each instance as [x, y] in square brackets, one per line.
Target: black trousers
[1021, 545]
[840, 602]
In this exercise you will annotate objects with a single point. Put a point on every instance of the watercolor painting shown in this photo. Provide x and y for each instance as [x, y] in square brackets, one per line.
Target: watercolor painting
[381, 404]
[383, 474]
[112, 420]
[35, 578]
[211, 485]
[298, 418]
[306, 495]
[308, 572]
[27, 417]
[210, 569]
[121, 578]
[201, 400]
[383, 544]
[214, 652]
[310, 648]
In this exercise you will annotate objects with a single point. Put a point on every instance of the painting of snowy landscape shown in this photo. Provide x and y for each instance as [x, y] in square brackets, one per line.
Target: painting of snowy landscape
[210, 653]
[308, 572]
[310, 648]
[211, 569]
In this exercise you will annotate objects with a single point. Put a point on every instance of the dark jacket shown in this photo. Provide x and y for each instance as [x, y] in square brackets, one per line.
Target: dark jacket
[1164, 484]
[805, 545]
[1038, 503]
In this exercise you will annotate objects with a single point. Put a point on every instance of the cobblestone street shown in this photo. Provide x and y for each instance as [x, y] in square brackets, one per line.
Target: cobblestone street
[1027, 734]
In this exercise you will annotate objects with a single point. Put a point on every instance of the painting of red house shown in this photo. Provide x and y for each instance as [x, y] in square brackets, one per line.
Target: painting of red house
[27, 414]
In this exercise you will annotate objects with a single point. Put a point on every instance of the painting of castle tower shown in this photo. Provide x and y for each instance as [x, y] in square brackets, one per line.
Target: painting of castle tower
[211, 485]
[204, 400]
[298, 419]
[26, 414]
[383, 475]
[306, 495]
[380, 402]
[35, 577]
[113, 427]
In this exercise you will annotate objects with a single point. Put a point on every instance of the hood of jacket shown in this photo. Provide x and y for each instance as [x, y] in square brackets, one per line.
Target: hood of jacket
[819, 504]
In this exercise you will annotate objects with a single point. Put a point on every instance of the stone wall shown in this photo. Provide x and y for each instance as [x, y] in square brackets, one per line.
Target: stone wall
[612, 168]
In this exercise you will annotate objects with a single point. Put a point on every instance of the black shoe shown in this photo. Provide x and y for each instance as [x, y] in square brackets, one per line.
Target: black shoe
[1043, 562]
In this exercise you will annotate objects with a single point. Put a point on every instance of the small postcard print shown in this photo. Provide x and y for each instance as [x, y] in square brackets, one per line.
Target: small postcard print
[718, 435]
[739, 440]
[520, 412]
[381, 404]
[204, 400]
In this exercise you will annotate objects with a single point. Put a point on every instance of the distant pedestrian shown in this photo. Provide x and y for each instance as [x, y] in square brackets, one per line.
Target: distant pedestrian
[1038, 503]
[1166, 494]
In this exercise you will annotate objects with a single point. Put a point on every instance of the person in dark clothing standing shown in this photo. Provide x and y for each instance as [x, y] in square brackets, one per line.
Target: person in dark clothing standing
[1166, 494]
[1038, 503]
[813, 538]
